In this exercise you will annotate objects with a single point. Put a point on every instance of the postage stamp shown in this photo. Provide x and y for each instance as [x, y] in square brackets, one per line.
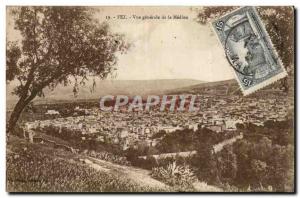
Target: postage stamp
[248, 49]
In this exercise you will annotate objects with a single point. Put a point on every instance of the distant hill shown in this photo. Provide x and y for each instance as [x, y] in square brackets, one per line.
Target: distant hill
[146, 87]
[217, 88]
[231, 87]
[108, 87]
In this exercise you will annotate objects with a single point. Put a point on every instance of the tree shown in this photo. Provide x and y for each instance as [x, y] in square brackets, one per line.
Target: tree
[259, 169]
[227, 163]
[279, 22]
[205, 163]
[57, 43]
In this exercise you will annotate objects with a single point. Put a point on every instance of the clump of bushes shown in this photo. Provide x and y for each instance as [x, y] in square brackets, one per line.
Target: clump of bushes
[103, 155]
[179, 176]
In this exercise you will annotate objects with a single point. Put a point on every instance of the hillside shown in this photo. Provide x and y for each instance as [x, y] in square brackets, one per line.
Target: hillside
[231, 87]
[38, 167]
[217, 88]
[41, 168]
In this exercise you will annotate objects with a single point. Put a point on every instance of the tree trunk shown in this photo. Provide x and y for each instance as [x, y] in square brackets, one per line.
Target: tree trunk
[16, 113]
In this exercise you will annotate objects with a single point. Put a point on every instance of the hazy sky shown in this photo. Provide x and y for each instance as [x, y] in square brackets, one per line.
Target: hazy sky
[164, 49]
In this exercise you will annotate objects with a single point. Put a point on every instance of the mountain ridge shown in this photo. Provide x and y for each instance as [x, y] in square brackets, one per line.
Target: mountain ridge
[107, 87]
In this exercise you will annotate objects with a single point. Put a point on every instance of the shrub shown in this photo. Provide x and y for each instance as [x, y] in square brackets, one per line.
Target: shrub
[103, 155]
[178, 176]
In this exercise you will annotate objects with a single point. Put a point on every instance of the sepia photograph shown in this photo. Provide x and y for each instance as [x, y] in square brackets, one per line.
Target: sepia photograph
[150, 99]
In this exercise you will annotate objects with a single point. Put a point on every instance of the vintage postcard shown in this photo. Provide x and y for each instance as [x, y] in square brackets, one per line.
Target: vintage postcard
[146, 99]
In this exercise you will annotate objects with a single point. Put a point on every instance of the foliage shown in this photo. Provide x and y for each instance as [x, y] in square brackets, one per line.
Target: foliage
[205, 164]
[79, 140]
[188, 140]
[260, 160]
[160, 134]
[110, 157]
[280, 132]
[58, 43]
[175, 175]
[227, 163]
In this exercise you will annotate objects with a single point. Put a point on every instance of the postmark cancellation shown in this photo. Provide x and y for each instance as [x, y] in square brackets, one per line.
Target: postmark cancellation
[248, 49]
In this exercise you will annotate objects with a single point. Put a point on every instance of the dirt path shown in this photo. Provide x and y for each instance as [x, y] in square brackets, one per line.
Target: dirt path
[140, 176]
[218, 147]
